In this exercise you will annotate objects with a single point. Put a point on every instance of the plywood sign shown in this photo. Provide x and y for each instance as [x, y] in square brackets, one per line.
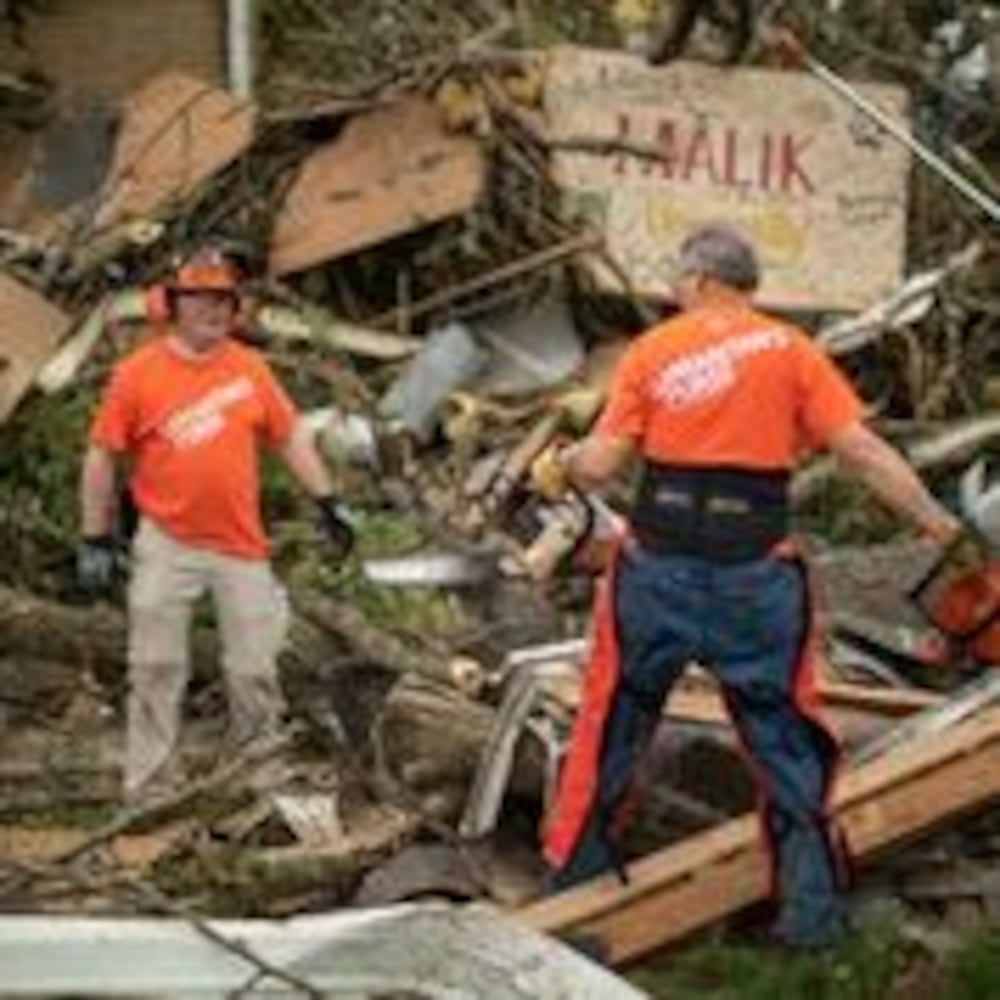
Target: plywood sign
[820, 188]
[391, 171]
[176, 132]
[30, 329]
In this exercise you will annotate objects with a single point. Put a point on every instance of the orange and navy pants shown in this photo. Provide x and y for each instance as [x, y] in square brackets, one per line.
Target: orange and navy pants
[750, 624]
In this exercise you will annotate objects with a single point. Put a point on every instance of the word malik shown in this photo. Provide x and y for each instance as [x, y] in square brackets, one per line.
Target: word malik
[773, 163]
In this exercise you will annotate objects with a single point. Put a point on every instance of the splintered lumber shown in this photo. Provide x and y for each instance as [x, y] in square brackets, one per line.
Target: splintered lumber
[537, 261]
[890, 702]
[703, 878]
[847, 707]
[853, 711]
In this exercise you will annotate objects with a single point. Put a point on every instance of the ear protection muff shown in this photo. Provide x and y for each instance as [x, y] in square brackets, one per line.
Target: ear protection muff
[159, 307]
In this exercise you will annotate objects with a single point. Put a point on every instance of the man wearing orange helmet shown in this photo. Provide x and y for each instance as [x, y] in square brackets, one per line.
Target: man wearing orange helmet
[190, 410]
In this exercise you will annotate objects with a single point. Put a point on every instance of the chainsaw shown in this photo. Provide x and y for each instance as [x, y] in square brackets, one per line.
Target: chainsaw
[538, 539]
[530, 536]
[960, 594]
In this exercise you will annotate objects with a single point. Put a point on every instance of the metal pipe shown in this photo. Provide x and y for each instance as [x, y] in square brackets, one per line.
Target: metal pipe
[240, 46]
[926, 155]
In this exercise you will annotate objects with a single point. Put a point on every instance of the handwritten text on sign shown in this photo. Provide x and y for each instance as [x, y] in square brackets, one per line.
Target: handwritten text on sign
[819, 187]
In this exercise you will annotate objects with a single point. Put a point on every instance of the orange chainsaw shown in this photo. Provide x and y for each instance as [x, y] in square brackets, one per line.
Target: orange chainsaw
[960, 595]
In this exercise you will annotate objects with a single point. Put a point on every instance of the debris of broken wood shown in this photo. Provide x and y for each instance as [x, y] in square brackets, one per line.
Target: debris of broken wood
[414, 195]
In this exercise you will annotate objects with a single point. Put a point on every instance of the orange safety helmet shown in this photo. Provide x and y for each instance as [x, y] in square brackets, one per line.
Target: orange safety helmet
[208, 270]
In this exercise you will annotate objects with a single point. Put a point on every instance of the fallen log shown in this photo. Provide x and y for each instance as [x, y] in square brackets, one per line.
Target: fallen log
[369, 642]
[32, 687]
[432, 735]
[94, 637]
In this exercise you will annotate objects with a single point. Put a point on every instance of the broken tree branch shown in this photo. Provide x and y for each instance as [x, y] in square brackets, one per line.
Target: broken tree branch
[580, 243]
[373, 644]
[250, 758]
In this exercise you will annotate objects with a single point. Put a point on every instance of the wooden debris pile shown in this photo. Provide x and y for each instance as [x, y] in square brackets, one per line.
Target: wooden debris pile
[422, 293]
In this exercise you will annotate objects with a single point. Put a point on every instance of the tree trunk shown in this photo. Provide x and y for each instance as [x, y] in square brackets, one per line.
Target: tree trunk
[434, 736]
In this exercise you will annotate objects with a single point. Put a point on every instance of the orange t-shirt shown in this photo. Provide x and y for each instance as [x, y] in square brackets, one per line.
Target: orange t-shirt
[727, 386]
[192, 427]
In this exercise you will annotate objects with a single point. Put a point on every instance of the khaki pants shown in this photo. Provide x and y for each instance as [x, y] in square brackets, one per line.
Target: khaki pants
[252, 614]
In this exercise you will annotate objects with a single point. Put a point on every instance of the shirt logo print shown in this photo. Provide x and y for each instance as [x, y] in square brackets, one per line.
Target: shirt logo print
[698, 377]
[205, 419]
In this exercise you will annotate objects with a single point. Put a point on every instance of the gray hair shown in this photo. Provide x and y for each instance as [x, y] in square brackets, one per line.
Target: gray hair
[720, 252]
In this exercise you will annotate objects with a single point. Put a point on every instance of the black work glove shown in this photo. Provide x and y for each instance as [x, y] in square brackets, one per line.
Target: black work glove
[336, 524]
[96, 562]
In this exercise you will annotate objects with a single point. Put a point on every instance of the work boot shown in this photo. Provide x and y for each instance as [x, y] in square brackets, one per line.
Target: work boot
[809, 936]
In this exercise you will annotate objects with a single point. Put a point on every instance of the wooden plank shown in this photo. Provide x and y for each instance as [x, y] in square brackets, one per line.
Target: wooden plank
[854, 711]
[690, 884]
[30, 329]
[697, 697]
[893, 702]
[177, 131]
[391, 171]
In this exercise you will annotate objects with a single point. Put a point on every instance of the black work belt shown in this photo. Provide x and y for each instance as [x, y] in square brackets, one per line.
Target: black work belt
[717, 512]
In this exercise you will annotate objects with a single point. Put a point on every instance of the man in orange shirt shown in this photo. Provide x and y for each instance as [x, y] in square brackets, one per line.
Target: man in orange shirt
[190, 409]
[719, 404]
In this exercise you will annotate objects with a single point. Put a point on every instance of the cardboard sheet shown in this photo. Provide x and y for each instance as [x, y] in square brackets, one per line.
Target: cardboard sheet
[30, 329]
[389, 172]
[176, 132]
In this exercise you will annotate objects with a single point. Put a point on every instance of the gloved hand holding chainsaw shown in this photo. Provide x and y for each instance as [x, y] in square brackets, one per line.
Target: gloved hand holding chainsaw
[549, 472]
[960, 595]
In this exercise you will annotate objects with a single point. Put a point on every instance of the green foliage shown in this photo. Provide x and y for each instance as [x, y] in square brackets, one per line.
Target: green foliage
[844, 513]
[579, 21]
[405, 610]
[975, 968]
[868, 966]
[861, 969]
[41, 448]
